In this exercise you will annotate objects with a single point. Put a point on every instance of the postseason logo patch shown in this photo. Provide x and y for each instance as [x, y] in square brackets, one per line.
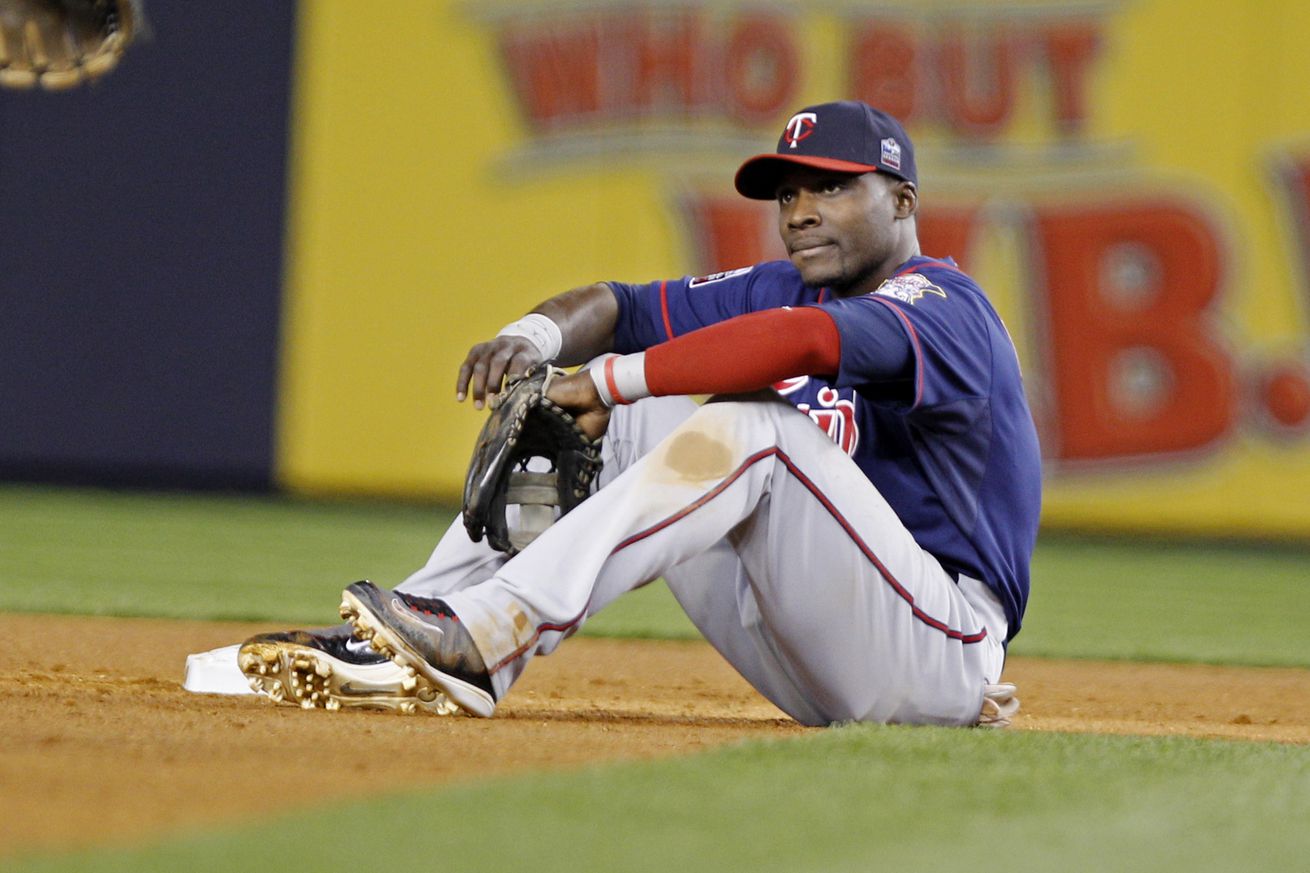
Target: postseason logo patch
[891, 153]
[909, 288]
[717, 277]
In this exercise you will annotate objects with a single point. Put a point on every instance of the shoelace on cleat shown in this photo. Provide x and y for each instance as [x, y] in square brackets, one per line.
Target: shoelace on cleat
[427, 605]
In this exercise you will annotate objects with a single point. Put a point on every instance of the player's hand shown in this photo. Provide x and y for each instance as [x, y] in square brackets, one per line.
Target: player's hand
[488, 364]
[577, 393]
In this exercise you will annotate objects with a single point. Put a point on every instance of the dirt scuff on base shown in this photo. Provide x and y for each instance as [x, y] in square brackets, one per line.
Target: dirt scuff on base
[102, 745]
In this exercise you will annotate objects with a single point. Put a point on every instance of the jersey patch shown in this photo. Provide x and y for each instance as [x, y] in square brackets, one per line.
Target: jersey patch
[908, 288]
[717, 277]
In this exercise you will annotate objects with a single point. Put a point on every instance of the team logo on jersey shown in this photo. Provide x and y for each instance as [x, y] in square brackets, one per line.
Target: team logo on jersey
[891, 153]
[834, 414]
[908, 288]
[789, 386]
[717, 277]
[800, 126]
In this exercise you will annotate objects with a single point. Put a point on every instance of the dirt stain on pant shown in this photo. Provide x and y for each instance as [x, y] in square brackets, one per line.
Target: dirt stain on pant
[696, 456]
[523, 630]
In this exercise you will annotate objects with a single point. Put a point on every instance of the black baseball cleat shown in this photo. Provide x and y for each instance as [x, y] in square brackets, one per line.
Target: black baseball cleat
[423, 636]
[330, 669]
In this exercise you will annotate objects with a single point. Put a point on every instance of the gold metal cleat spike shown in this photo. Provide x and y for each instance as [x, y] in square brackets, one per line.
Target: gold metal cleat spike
[409, 707]
[332, 704]
[323, 668]
[306, 704]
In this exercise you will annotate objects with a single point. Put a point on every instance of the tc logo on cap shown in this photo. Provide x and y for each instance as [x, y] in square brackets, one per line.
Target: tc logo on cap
[891, 153]
[800, 126]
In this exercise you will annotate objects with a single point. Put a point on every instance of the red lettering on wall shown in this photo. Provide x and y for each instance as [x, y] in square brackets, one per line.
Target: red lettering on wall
[555, 71]
[946, 231]
[1283, 390]
[977, 74]
[649, 61]
[664, 60]
[731, 232]
[967, 77]
[762, 69]
[883, 69]
[1070, 49]
[1138, 368]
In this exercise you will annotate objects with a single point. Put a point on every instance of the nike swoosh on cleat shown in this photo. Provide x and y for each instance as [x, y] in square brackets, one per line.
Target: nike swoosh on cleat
[399, 608]
[358, 647]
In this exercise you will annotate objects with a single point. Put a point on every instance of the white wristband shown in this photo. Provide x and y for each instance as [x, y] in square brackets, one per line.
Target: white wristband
[539, 330]
[620, 379]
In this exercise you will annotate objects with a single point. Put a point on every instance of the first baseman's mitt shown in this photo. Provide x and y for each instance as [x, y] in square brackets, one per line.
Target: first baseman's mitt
[525, 425]
[61, 43]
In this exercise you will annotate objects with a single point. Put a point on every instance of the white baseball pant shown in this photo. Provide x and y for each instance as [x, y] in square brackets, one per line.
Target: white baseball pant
[776, 545]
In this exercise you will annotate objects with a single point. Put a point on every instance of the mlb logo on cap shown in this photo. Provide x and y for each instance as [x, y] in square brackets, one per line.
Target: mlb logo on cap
[845, 137]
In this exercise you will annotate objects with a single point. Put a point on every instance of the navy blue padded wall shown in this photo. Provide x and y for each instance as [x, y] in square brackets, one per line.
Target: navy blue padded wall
[141, 245]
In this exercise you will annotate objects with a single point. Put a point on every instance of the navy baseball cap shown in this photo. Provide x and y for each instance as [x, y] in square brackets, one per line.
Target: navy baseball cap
[848, 137]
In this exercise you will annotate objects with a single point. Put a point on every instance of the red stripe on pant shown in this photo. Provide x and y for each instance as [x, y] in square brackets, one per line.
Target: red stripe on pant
[900, 590]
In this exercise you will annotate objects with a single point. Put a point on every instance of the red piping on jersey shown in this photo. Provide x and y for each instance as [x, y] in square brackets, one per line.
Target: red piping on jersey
[914, 341]
[930, 263]
[664, 308]
[914, 336]
[763, 454]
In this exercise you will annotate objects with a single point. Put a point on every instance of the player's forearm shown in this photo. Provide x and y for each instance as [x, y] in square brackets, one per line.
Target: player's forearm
[570, 328]
[586, 318]
[742, 354]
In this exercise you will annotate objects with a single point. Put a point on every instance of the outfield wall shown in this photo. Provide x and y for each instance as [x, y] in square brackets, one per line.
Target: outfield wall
[141, 238]
[1130, 179]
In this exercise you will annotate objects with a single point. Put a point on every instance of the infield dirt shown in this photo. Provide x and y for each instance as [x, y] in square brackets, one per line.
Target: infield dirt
[102, 745]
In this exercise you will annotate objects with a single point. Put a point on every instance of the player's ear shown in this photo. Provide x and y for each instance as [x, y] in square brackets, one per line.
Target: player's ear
[906, 197]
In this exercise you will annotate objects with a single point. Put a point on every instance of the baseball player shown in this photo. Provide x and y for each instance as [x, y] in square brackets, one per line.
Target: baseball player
[848, 520]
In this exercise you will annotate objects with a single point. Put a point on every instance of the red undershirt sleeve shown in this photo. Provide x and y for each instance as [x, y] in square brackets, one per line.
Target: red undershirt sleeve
[746, 353]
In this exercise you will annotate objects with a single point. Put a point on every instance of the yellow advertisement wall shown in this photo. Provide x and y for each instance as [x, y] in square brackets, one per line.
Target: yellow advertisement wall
[1129, 180]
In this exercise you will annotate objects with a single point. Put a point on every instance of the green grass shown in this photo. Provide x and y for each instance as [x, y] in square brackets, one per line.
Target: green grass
[854, 798]
[851, 799]
[276, 559]
[1156, 600]
[226, 557]
[199, 556]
